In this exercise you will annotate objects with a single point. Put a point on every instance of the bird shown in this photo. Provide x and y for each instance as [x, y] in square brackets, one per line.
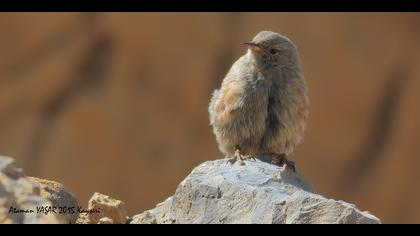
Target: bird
[262, 105]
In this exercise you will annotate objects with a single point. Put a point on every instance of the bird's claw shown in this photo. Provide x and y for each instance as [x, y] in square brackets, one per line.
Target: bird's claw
[239, 157]
[281, 160]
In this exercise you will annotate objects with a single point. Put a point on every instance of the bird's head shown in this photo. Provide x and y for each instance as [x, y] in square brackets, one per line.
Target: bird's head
[271, 49]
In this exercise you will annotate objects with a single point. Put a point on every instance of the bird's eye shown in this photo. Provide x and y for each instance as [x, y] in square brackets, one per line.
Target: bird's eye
[274, 51]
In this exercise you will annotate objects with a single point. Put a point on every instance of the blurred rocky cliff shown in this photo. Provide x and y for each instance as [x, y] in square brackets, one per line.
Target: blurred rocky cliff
[117, 103]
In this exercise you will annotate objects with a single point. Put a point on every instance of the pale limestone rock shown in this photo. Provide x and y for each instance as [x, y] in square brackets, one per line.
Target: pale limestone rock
[64, 201]
[20, 200]
[105, 221]
[259, 192]
[105, 206]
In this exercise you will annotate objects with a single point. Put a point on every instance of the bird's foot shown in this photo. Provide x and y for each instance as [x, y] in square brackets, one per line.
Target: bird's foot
[281, 159]
[240, 157]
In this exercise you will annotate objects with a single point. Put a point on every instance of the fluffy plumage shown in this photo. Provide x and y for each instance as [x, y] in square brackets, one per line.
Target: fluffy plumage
[262, 106]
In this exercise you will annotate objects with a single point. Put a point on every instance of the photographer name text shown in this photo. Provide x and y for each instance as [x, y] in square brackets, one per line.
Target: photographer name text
[46, 210]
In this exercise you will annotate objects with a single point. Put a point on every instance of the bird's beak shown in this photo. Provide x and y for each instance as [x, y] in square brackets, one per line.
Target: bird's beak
[253, 46]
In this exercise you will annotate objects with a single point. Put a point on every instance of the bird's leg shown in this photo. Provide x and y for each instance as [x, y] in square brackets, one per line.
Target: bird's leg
[280, 159]
[239, 156]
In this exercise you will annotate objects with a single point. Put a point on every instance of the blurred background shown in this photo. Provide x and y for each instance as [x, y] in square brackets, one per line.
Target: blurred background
[117, 102]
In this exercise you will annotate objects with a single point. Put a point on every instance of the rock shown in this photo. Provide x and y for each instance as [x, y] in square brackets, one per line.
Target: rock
[105, 221]
[20, 200]
[101, 206]
[152, 216]
[259, 192]
[8, 168]
[60, 198]
[82, 219]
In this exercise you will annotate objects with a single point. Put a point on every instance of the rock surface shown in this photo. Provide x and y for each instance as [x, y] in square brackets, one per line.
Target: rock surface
[20, 197]
[105, 221]
[215, 192]
[258, 192]
[106, 210]
[60, 198]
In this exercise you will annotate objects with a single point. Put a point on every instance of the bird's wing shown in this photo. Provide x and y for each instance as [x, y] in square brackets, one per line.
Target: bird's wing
[226, 102]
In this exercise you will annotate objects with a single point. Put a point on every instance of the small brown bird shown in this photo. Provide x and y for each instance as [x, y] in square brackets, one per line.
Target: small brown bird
[262, 106]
